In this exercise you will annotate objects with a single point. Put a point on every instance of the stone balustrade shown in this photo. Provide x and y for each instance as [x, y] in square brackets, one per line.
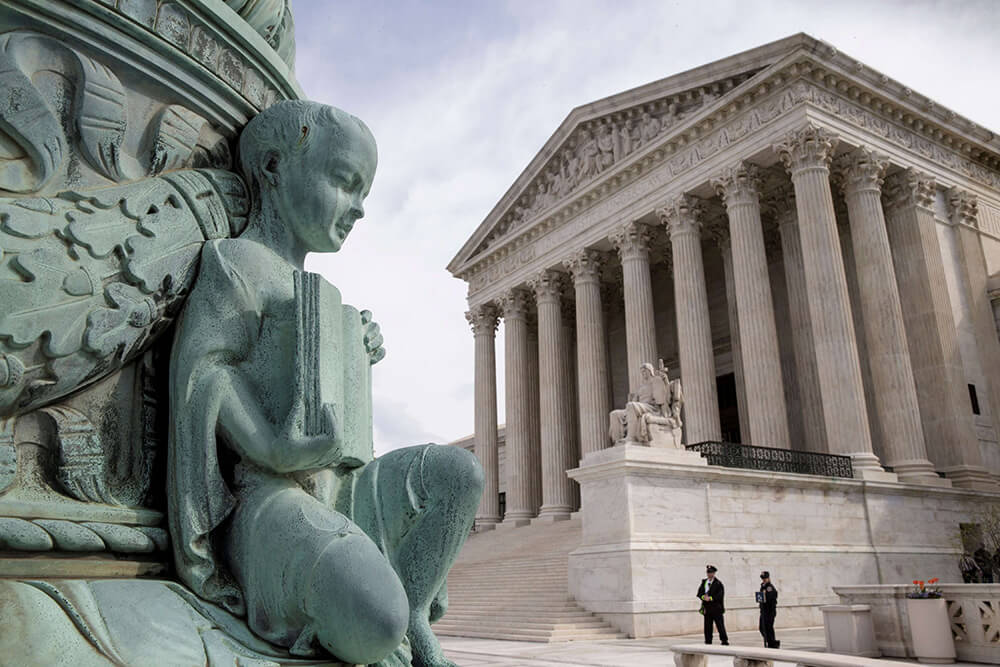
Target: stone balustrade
[974, 610]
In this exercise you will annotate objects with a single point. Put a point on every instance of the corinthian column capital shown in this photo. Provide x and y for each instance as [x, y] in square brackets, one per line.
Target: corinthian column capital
[911, 188]
[781, 206]
[682, 215]
[809, 147]
[585, 265]
[718, 231]
[631, 241]
[963, 207]
[514, 304]
[739, 184]
[483, 319]
[547, 285]
[861, 169]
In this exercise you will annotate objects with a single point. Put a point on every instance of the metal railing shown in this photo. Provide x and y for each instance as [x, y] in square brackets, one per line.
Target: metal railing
[751, 457]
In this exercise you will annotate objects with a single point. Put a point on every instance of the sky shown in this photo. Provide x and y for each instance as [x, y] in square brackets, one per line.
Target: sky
[461, 95]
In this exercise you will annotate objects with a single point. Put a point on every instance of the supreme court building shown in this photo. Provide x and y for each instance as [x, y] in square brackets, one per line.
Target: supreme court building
[809, 244]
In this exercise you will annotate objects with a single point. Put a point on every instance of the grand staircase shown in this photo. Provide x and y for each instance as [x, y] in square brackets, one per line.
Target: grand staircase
[512, 584]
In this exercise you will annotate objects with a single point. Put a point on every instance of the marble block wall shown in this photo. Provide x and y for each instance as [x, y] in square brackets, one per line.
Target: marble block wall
[665, 515]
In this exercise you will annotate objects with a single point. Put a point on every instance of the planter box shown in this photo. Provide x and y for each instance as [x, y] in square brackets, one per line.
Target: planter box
[930, 630]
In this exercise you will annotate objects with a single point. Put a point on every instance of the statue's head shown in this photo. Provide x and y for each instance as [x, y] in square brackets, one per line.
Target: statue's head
[646, 371]
[312, 165]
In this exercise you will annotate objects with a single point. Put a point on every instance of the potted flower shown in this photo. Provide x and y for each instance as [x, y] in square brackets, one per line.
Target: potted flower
[930, 627]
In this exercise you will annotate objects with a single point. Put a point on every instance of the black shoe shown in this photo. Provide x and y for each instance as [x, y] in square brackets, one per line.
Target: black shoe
[725, 643]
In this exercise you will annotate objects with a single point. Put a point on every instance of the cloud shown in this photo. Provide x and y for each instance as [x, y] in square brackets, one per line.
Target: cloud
[460, 97]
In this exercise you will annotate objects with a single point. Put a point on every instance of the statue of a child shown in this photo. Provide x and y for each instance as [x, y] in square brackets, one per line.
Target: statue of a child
[269, 518]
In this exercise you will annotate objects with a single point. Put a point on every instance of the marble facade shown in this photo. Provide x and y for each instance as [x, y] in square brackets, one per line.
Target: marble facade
[814, 249]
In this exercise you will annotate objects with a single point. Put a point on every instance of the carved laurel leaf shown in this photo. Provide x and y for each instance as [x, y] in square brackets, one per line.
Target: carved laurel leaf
[101, 117]
[177, 130]
[26, 121]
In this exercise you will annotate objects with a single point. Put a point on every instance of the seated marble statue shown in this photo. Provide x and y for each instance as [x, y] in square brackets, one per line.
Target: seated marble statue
[652, 415]
[277, 510]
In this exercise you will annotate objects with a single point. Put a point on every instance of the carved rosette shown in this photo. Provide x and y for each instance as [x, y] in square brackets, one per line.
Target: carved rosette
[810, 147]
[963, 207]
[484, 319]
[631, 241]
[585, 265]
[682, 215]
[547, 285]
[861, 169]
[910, 188]
[515, 304]
[739, 185]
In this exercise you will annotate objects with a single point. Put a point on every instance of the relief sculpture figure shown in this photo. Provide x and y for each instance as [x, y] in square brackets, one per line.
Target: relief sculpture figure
[652, 415]
[278, 511]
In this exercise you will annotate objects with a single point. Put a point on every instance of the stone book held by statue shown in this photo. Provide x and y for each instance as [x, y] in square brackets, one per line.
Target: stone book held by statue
[333, 366]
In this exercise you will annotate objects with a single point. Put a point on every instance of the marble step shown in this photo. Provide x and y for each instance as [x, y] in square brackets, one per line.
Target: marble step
[536, 623]
[532, 637]
[488, 614]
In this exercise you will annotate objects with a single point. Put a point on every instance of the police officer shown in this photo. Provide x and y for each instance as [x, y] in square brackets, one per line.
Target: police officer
[767, 598]
[712, 594]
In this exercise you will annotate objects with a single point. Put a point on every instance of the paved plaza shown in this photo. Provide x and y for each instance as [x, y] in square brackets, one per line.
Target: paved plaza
[614, 653]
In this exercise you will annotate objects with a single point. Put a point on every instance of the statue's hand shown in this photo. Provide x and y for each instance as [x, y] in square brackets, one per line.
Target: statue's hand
[373, 338]
[301, 450]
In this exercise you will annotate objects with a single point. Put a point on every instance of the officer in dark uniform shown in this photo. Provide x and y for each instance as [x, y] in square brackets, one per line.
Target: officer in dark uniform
[712, 594]
[767, 598]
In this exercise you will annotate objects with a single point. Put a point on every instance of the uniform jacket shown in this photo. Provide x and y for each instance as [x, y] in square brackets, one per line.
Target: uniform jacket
[770, 595]
[718, 594]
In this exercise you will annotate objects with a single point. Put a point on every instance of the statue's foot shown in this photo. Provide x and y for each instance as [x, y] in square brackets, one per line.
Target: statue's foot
[425, 646]
[439, 605]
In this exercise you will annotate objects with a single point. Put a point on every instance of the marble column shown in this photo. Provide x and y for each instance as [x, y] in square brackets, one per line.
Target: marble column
[894, 393]
[694, 334]
[963, 209]
[739, 188]
[782, 204]
[571, 400]
[554, 390]
[594, 389]
[942, 393]
[806, 154]
[518, 464]
[483, 319]
[632, 243]
[720, 232]
[534, 413]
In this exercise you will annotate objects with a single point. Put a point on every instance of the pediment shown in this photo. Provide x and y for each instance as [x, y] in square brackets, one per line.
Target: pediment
[597, 136]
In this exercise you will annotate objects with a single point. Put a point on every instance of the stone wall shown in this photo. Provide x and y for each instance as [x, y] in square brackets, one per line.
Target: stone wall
[664, 515]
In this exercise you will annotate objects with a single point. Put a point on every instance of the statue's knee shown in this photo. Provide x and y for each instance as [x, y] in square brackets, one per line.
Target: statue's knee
[454, 471]
[357, 602]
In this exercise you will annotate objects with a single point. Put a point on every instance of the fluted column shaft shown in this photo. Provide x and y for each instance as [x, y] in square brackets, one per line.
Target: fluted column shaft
[554, 390]
[591, 350]
[942, 393]
[802, 339]
[895, 397]
[534, 416]
[484, 322]
[726, 249]
[739, 188]
[632, 242]
[694, 333]
[963, 208]
[806, 154]
[514, 305]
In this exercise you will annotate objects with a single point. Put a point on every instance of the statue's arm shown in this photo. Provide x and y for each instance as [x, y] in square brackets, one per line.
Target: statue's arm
[281, 448]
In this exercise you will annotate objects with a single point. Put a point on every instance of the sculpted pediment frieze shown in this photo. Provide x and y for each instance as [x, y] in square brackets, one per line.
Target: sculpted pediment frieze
[597, 145]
